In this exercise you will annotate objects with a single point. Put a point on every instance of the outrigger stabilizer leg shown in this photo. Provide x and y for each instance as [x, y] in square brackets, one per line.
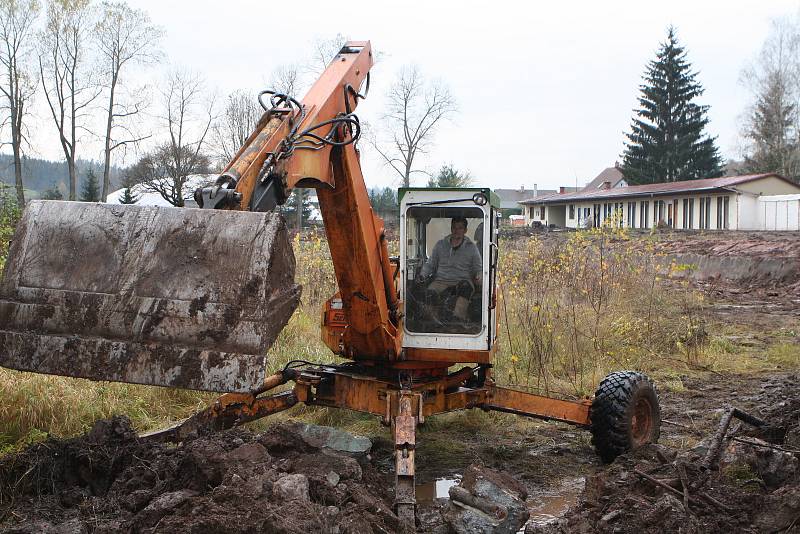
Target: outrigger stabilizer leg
[404, 428]
[232, 409]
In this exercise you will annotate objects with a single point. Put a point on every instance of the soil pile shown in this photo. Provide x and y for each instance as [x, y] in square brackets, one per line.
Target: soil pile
[750, 484]
[109, 480]
[722, 244]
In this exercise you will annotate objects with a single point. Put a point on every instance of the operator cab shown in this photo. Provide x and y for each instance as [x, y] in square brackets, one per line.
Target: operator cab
[448, 259]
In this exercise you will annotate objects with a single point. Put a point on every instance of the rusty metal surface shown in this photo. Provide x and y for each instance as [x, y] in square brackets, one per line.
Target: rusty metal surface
[404, 426]
[166, 296]
[528, 404]
[229, 410]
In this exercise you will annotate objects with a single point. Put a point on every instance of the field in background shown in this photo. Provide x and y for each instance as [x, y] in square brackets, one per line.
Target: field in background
[571, 309]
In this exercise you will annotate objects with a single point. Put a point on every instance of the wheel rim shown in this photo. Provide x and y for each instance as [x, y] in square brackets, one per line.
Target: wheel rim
[642, 421]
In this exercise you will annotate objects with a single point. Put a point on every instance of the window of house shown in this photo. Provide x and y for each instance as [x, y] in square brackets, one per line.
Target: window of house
[631, 214]
[705, 213]
[725, 211]
[685, 213]
[572, 211]
[673, 220]
[530, 212]
[719, 213]
[597, 215]
[644, 216]
[691, 213]
[702, 213]
[541, 213]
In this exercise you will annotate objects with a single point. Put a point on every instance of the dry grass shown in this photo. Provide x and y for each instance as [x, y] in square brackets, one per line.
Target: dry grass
[576, 309]
[564, 325]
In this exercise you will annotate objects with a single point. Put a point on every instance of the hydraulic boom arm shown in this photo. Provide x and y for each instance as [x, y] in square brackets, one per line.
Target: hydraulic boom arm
[312, 144]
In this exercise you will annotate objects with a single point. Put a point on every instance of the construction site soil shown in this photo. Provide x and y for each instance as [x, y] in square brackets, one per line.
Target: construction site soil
[109, 480]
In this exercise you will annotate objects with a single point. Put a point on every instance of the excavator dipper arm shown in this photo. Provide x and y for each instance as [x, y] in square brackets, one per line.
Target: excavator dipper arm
[194, 298]
[312, 144]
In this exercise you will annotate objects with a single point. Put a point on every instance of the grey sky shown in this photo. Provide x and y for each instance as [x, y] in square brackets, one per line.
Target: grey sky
[545, 90]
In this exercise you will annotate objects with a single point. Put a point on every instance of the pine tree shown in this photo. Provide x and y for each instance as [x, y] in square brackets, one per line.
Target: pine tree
[128, 197]
[91, 188]
[667, 142]
[771, 130]
[449, 176]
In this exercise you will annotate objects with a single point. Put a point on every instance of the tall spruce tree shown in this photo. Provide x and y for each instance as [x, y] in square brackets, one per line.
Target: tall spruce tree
[91, 188]
[771, 129]
[667, 142]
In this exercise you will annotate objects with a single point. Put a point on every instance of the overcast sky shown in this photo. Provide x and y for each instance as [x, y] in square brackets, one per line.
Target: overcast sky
[545, 89]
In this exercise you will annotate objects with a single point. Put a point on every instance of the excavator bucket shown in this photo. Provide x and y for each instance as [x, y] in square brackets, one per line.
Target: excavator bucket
[174, 297]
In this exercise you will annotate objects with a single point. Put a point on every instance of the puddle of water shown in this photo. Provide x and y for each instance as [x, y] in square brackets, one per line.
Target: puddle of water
[437, 489]
[549, 506]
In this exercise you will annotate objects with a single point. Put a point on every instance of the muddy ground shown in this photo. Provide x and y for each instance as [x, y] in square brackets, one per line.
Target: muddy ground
[280, 481]
[240, 481]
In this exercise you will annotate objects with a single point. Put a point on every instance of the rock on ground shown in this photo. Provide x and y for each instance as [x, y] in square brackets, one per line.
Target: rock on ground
[110, 481]
[487, 501]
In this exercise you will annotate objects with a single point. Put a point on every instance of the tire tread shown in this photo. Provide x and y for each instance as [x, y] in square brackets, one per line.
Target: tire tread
[610, 436]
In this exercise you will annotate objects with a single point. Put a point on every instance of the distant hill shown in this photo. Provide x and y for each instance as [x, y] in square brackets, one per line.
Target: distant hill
[41, 174]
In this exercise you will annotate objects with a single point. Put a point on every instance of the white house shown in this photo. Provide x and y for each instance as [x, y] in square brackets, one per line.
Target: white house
[750, 202]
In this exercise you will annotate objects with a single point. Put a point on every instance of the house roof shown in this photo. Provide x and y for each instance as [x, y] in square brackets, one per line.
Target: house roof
[512, 196]
[665, 188]
[609, 174]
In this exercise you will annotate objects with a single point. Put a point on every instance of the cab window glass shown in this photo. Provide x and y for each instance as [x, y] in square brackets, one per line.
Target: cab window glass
[444, 269]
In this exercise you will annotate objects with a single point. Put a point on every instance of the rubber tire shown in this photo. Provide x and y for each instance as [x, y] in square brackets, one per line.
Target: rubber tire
[612, 410]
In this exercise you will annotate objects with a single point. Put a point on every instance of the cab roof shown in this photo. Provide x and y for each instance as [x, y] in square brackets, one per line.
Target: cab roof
[494, 199]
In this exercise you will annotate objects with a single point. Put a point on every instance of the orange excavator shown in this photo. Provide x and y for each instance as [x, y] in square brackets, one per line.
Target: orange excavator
[194, 298]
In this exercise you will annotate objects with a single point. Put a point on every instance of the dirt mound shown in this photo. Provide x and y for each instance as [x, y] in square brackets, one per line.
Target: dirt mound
[751, 485]
[742, 244]
[109, 480]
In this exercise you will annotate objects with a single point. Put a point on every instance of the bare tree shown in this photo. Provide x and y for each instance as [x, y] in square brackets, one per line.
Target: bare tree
[415, 109]
[124, 36]
[770, 126]
[286, 79]
[238, 120]
[188, 116]
[17, 82]
[164, 172]
[323, 50]
[66, 75]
